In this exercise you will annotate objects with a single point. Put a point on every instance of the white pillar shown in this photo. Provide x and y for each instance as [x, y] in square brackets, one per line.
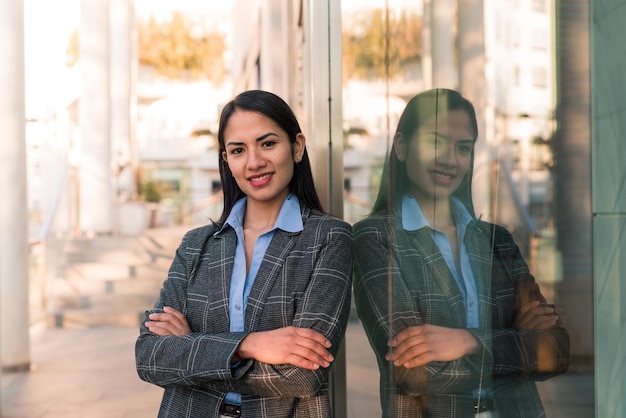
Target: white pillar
[439, 34]
[123, 99]
[14, 324]
[95, 173]
[474, 85]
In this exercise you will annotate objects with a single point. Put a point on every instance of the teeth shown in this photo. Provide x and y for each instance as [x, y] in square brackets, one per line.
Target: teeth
[264, 176]
[443, 175]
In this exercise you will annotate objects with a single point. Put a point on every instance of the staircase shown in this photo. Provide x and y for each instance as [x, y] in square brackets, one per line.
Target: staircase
[110, 281]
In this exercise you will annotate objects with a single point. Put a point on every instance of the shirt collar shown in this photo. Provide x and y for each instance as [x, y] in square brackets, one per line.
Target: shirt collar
[289, 218]
[413, 218]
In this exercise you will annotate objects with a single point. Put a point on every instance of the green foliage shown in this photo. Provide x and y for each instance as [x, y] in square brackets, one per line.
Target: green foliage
[177, 48]
[365, 50]
[150, 191]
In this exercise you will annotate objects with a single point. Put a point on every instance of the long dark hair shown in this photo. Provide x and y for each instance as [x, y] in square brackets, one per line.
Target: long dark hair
[395, 181]
[275, 108]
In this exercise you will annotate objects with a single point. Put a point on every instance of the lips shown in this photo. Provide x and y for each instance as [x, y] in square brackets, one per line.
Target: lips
[443, 178]
[260, 180]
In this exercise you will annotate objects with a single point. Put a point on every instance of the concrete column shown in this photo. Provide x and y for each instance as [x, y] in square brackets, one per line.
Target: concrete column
[123, 95]
[571, 146]
[14, 324]
[475, 86]
[442, 33]
[95, 171]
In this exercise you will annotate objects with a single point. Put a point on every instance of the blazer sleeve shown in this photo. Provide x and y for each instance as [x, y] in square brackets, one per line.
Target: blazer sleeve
[375, 266]
[190, 359]
[324, 307]
[535, 354]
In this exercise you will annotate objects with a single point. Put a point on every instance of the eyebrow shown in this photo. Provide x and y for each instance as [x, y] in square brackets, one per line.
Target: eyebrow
[439, 134]
[261, 138]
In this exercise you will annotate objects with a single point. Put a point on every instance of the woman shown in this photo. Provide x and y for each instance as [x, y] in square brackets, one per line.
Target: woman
[457, 322]
[255, 305]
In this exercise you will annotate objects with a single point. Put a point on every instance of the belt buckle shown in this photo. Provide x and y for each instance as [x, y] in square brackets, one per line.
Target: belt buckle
[230, 410]
[485, 409]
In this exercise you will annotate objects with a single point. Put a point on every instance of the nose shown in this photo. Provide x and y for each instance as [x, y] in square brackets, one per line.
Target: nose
[446, 154]
[255, 159]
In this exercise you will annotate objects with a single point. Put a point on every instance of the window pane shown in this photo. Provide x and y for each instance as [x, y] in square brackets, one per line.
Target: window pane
[429, 262]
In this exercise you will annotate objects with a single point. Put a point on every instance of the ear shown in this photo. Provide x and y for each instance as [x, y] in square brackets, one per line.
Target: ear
[399, 145]
[224, 157]
[298, 147]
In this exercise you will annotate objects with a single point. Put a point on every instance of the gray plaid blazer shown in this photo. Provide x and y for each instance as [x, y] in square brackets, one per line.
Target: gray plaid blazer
[425, 292]
[303, 281]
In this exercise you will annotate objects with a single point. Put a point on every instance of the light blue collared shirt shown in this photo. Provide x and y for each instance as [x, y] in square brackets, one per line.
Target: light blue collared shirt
[289, 220]
[413, 219]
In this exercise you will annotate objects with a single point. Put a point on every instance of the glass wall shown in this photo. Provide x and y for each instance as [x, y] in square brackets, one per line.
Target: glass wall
[452, 312]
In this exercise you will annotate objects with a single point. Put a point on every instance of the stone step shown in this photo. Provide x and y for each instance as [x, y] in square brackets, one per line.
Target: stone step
[110, 281]
[109, 309]
[113, 271]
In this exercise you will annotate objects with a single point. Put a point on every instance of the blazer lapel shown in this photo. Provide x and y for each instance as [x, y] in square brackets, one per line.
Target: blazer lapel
[440, 274]
[281, 245]
[481, 250]
[219, 270]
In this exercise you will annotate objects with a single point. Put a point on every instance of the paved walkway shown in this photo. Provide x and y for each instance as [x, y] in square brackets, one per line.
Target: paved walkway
[90, 373]
[87, 370]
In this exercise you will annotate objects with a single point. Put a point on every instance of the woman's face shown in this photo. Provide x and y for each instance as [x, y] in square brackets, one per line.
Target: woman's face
[438, 155]
[260, 156]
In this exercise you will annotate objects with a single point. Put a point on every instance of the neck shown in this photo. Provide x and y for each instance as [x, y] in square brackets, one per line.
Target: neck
[438, 212]
[261, 215]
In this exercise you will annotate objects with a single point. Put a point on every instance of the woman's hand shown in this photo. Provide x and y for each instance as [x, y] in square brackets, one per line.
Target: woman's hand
[535, 315]
[170, 322]
[301, 347]
[422, 344]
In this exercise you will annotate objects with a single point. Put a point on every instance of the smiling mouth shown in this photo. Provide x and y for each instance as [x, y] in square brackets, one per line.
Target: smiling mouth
[260, 178]
[442, 178]
[443, 175]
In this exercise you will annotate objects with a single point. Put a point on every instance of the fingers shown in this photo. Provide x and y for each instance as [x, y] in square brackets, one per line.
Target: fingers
[170, 322]
[301, 347]
[311, 349]
[419, 345]
[536, 315]
[410, 348]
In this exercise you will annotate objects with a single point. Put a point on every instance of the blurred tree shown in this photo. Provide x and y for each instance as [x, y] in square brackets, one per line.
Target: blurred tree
[364, 40]
[176, 48]
[181, 48]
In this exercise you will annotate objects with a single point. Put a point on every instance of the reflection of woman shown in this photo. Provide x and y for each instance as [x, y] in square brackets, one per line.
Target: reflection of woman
[456, 320]
[255, 306]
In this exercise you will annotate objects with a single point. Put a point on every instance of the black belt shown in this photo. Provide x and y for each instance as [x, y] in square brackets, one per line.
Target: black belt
[230, 410]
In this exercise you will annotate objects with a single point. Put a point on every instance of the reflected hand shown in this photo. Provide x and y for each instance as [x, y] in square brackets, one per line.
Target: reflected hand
[301, 347]
[535, 315]
[170, 322]
[422, 344]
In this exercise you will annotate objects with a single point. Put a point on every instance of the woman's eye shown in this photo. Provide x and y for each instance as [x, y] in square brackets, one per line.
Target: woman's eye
[466, 149]
[267, 144]
[236, 151]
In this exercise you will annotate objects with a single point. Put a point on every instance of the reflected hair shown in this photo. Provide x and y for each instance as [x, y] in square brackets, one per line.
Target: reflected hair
[272, 106]
[423, 106]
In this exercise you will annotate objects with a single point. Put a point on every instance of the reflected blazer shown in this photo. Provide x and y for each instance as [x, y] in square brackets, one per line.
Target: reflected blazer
[304, 280]
[425, 292]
